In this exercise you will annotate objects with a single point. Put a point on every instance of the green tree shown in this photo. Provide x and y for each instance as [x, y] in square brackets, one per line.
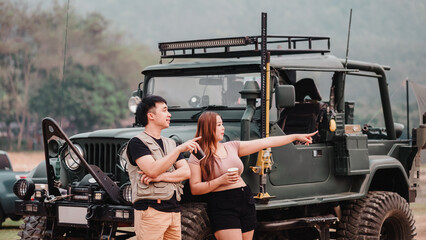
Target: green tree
[87, 99]
[17, 69]
[31, 57]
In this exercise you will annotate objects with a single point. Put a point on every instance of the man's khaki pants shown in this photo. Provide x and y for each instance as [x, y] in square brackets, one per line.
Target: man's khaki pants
[152, 224]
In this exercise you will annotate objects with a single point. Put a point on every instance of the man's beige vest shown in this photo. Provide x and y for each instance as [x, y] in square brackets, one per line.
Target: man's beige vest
[156, 190]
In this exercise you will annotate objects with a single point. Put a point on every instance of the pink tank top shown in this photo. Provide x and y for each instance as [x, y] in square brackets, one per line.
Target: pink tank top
[232, 160]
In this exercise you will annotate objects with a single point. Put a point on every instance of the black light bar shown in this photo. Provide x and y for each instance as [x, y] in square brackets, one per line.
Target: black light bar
[208, 43]
[246, 46]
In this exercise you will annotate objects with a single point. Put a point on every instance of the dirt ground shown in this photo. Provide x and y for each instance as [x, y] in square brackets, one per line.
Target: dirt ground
[26, 161]
[419, 207]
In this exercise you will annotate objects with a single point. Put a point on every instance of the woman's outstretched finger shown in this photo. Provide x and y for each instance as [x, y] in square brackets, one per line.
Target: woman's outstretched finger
[312, 134]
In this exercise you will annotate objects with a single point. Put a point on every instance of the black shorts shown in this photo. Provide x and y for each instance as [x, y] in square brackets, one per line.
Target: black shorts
[233, 208]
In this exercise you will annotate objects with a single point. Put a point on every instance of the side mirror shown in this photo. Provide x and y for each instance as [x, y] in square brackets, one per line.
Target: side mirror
[284, 96]
[399, 128]
[134, 100]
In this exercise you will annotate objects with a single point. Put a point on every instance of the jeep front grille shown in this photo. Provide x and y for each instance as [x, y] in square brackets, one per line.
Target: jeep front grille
[102, 154]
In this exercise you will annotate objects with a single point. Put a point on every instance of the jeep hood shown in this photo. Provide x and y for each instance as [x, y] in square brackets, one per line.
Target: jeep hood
[182, 133]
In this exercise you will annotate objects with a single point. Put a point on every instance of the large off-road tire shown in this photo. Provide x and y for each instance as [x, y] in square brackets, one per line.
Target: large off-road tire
[380, 215]
[195, 222]
[33, 228]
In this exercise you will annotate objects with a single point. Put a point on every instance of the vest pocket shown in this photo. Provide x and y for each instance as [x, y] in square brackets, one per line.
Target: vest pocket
[162, 187]
[142, 188]
[160, 184]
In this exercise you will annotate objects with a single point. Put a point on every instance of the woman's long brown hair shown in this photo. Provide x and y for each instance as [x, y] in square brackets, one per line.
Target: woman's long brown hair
[206, 127]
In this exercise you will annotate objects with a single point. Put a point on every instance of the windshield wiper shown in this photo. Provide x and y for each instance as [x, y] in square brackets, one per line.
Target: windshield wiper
[173, 107]
[209, 107]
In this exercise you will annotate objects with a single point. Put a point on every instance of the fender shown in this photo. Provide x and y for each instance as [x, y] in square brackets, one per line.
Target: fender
[381, 166]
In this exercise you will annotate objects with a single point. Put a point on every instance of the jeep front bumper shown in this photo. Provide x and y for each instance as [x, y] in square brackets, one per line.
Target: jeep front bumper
[76, 214]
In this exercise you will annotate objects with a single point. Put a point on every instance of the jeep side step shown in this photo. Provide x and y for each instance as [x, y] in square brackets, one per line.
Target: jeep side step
[320, 223]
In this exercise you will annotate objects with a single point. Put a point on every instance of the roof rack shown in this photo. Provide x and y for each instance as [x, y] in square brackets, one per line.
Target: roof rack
[236, 47]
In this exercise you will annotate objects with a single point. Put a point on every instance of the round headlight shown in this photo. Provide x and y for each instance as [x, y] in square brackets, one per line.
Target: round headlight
[24, 189]
[71, 160]
[122, 155]
[133, 103]
[126, 192]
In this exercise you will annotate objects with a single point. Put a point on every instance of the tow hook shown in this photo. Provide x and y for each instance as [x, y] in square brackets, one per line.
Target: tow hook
[91, 210]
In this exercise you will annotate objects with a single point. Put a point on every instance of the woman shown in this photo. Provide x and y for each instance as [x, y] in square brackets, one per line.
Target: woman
[230, 202]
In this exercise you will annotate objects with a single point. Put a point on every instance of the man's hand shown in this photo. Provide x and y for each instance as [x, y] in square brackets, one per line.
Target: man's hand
[190, 145]
[146, 180]
[181, 173]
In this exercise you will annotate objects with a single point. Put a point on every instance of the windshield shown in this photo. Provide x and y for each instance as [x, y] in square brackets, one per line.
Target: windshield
[201, 91]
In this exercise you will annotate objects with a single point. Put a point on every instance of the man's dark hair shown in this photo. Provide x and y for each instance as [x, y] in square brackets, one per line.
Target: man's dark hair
[144, 106]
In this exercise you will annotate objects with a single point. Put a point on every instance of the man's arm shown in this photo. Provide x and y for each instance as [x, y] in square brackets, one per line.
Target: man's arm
[181, 173]
[153, 168]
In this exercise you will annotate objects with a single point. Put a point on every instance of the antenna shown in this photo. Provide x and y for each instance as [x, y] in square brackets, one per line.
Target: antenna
[408, 106]
[349, 35]
[63, 67]
[337, 103]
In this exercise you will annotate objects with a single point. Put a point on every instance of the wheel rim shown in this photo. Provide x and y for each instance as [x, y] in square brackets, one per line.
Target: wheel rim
[391, 229]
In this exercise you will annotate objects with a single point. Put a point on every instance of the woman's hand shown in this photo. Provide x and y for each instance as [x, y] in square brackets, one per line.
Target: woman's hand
[230, 177]
[305, 138]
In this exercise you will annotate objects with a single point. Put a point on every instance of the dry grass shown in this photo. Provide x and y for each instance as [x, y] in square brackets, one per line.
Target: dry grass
[25, 161]
[10, 229]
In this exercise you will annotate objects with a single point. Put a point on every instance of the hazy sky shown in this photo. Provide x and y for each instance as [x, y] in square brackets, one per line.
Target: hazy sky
[389, 32]
[151, 22]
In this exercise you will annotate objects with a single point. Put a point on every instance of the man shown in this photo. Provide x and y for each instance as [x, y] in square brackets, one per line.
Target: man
[156, 168]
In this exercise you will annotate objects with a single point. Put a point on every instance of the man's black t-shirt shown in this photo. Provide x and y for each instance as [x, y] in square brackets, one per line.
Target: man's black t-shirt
[136, 149]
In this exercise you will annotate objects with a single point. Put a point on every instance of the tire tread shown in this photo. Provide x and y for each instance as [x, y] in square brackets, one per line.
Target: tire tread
[362, 218]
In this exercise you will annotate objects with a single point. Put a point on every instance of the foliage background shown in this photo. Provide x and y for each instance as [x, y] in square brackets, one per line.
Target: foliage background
[109, 42]
[89, 92]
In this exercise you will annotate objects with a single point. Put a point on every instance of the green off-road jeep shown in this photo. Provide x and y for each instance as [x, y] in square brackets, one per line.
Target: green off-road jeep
[354, 182]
